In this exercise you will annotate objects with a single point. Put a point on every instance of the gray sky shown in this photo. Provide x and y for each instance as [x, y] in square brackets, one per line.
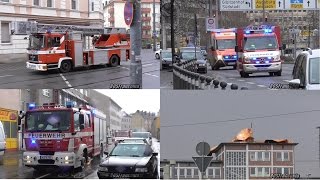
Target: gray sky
[132, 100]
[187, 107]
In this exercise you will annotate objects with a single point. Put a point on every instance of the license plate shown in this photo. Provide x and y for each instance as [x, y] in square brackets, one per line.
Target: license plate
[32, 66]
[45, 157]
[231, 63]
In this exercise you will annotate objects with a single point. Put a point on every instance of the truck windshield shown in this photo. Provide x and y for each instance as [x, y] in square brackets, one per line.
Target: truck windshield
[260, 43]
[36, 42]
[314, 70]
[140, 135]
[226, 44]
[48, 121]
[190, 55]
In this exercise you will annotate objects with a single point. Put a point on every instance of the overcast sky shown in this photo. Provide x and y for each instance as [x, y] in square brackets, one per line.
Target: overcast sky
[132, 100]
[292, 115]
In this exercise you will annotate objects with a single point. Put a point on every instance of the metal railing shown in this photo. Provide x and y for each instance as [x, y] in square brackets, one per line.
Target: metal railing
[185, 76]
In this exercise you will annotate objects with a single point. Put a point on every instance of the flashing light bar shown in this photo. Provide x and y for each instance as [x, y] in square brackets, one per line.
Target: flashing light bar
[70, 104]
[31, 105]
[33, 141]
[224, 30]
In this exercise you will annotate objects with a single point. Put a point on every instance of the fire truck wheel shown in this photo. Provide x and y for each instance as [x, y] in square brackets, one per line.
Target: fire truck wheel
[114, 61]
[65, 66]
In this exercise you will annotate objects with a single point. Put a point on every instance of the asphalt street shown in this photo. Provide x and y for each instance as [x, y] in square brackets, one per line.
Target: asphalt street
[257, 81]
[13, 168]
[16, 75]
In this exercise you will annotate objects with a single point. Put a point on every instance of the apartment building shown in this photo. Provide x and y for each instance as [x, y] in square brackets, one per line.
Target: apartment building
[68, 12]
[114, 17]
[126, 121]
[243, 158]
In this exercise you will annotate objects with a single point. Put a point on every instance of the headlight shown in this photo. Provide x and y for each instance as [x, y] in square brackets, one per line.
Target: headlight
[220, 57]
[246, 59]
[277, 58]
[141, 169]
[27, 157]
[102, 168]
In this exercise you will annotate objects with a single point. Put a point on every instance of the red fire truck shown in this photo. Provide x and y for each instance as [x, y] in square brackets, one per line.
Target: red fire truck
[258, 50]
[63, 137]
[66, 47]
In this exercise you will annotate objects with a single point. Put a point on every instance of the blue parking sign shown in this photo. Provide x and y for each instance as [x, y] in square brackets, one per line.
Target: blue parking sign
[296, 1]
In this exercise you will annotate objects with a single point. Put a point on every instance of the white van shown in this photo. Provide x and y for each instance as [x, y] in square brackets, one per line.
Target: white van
[2, 142]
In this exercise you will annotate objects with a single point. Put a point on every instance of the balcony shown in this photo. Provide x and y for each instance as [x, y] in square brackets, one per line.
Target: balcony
[111, 19]
[145, 36]
[146, 27]
[146, 18]
[146, 10]
[111, 10]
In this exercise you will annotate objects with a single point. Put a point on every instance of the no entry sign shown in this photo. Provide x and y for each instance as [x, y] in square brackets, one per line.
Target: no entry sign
[128, 13]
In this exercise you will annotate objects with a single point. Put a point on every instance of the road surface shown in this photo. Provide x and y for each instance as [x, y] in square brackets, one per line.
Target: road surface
[15, 75]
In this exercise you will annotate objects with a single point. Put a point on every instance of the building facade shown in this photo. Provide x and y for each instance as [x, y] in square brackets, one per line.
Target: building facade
[114, 17]
[69, 12]
[126, 121]
[155, 127]
[115, 116]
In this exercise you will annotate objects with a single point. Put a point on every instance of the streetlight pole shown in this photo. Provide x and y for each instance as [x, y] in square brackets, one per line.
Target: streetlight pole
[135, 37]
[154, 27]
[172, 32]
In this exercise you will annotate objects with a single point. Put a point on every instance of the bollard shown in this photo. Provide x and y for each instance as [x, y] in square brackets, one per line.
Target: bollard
[202, 79]
[216, 83]
[196, 81]
[192, 80]
[208, 80]
[183, 79]
[234, 87]
[223, 85]
[180, 78]
[189, 80]
[244, 88]
[174, 76]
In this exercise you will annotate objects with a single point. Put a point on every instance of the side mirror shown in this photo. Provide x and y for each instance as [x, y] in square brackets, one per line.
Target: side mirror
[106, 153]
[155, 154]
[82, 126]
[236, 49]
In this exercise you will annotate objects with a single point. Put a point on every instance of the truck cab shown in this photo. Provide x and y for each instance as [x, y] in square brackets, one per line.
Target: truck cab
[258, 50]
[221, 52]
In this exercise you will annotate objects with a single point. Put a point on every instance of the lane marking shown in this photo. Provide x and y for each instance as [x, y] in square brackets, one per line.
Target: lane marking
[286, 80]
[43, 176]
[65, 80]
[231, 78]
[146, 65]
[125, 68]
[241, 80]
[152, 75]
[250, 83]
[6, 76]
[263, 86]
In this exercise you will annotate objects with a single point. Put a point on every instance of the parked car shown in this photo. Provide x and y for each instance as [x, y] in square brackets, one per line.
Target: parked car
[145, 135]
[130, 160]
[306, 70]
[136, 140]
[166, 58]
[2, 143]
[188, 54]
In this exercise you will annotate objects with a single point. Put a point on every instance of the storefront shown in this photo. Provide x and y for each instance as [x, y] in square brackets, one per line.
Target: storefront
[9, 119]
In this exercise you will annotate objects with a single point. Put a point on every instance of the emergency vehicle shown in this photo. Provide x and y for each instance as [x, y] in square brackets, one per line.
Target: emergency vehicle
[222, 52]
[65, 47]
[258, 50]
[62, 136]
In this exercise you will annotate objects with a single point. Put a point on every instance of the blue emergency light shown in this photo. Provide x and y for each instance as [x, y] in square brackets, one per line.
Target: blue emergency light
[254, 58]
[269, 58]
[234, 56]
[69, 104]
[267, 61]
[227, 57]
[33, 141]
[31, 106]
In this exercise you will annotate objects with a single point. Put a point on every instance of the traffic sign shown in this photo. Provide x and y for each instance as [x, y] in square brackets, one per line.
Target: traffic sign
[203, 149]
[268, 4]
[128, 13]
[202, 162]
[235, 5]
[300, 4]
[210, 24]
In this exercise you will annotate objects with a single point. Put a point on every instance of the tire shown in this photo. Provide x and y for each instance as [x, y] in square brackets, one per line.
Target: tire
[114, 61]
[157, 56]
[65, 66]
[271, 73]
[243, 74]
[278, 73]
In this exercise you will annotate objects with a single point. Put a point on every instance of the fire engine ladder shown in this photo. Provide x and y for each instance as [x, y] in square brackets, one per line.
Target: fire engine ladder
[85, 30]
[113, 30]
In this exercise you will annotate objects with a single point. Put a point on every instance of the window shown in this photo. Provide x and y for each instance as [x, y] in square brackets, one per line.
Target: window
[260, 173]
[92, 6]
[267, 156]
[45, 92]
[195, 172]
[285, 156]
[5, 32]
[217, 173]
[5, 0]
[260, 156]
[76, 121]
[189, 174]
[36, 2]
[181, 172]
[267, 171]
[252, 171]
[279, 156]
[285, 170]
[74, 4]
[49, 3]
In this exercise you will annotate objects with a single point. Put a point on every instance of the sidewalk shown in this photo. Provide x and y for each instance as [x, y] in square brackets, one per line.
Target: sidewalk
[12, 58]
